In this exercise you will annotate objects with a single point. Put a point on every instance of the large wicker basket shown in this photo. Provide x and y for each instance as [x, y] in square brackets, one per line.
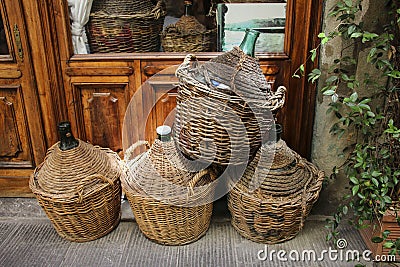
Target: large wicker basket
[271, 201]
[171, 205]
[186, 35]
[125, 26]
[219, 123]
[80, 190]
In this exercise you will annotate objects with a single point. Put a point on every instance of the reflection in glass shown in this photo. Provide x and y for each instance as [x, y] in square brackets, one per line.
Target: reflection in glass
[267, 18]
[3, 40]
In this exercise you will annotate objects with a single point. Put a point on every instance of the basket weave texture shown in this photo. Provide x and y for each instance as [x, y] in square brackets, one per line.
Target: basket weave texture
[271, 201]
[231, 117]
[125, 26]
[164, 195]
[80, 190]
[186, 35]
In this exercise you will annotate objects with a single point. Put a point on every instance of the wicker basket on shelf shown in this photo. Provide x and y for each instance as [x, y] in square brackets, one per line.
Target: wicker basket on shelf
[80, 190]
[224, 106]
[186, 35]
[272, 200]
[125, 26]
[171, 204]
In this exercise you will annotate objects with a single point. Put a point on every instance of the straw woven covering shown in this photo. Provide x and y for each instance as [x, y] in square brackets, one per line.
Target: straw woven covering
[164, 195]
[225, 106]
[125, 26]
[80, 190]
[186, 35]
[276, 210]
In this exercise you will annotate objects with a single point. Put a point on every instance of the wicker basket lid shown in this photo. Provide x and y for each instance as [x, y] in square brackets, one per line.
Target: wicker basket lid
[245, 73]
[186, 25]
[250, 66]
[287, 175]
[64, 170]
[122, 7]
[163, 173]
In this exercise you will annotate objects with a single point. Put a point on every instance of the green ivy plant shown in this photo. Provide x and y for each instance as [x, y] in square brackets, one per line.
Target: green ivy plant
[372, 165]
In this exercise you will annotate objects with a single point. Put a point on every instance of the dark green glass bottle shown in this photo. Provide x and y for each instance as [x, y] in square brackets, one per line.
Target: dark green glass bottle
[249, 42]
[188, 8]
[67, 140]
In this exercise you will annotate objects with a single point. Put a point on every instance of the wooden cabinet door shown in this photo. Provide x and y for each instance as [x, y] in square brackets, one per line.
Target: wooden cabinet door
[22, 143]
[159, 91]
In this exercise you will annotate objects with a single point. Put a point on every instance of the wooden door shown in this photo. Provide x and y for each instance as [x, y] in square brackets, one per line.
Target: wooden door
[22, 139]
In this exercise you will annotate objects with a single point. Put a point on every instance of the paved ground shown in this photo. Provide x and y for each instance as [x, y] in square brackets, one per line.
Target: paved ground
[27, 238]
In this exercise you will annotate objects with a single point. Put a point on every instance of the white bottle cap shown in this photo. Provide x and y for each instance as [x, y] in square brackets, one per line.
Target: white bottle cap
[163, 130]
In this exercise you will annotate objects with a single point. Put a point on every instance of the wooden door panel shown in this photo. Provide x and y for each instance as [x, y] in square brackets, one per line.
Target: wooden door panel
[15, 148]
[10, 144]
[165, 106]
[103, 108]
[159, 94]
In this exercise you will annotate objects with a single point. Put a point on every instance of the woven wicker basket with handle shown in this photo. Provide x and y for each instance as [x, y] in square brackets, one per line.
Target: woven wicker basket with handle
[171, 205]
[271, 201]
[232, 117]
[125, 26]
[186, 35]
[80, 190]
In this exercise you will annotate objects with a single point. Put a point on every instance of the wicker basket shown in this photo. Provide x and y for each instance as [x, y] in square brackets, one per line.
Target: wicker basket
[234, 118]
[171, 205]
[186, 35]
[125, 26]
[274, 210]
[80, 190]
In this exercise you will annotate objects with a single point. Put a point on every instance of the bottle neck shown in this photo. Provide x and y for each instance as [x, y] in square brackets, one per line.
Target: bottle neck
[164, 133]
[278, 131]
[249, 42]
[164, 138]
[67, 140]
[188, 8]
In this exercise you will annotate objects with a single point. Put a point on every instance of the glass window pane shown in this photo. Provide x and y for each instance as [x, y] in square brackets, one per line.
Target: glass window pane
[3, 40]
[267, 18]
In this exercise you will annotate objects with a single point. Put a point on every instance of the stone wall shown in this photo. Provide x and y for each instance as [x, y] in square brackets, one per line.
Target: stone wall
[326, 148]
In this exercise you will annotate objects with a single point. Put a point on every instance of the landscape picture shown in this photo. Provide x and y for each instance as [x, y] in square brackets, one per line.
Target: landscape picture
[267, 18]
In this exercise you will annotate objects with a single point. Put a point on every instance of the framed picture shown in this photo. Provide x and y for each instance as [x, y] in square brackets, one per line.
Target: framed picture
[267, 18]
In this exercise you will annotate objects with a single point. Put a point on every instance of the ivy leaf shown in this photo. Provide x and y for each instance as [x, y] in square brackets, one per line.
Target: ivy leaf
[388, 244]
[368, 36]
[313, 54]
[314, 75]
[301, 69]
[329, 92]
[385, 233]
[354, 97]
[354, 180]
[394, 74]
[375, 182]
[355, 189]
[335, 98]
[332, 79]
[345, 210]
[356, 35]
[377, 239]
[376, 174]
[323, 37]
[387, 199]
